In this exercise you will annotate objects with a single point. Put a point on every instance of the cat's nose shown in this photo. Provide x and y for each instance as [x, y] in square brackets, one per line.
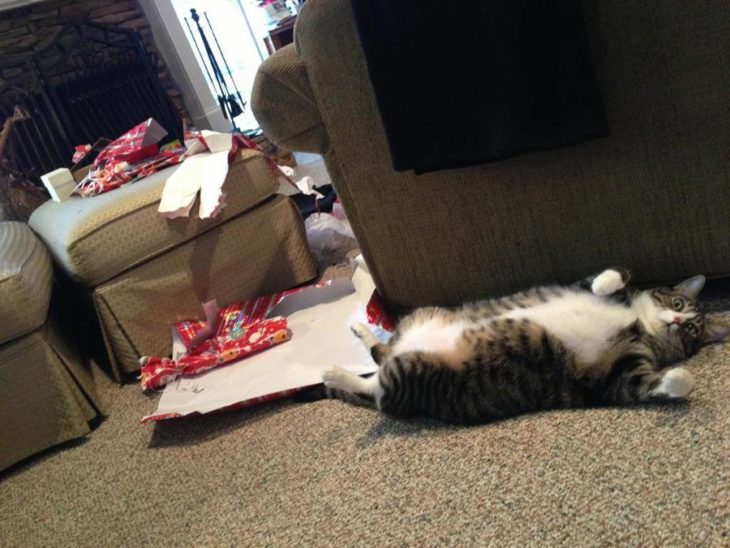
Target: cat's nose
[677, 320]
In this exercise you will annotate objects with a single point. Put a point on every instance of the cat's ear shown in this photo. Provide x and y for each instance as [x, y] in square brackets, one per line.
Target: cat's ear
[715, 331]
[692, 287]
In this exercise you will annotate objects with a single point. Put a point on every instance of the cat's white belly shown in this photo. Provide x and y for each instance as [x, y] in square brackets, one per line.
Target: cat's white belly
[434, 335]
[584, 323]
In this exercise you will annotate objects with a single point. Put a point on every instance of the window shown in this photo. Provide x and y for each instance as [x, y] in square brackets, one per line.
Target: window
[239, 27]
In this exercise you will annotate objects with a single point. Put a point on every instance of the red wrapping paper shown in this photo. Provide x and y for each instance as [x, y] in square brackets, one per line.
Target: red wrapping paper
[131, 156]
[255, 337]
[232, 323]
[240, 329]
[135, 155]
[136, 144]
[228, 323]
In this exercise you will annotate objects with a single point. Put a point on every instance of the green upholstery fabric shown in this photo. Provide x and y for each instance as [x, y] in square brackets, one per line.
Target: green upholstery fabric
[282, 96]
[653, 195]
[25, 281]
[94, 239]
[47, 396]
[260, 252]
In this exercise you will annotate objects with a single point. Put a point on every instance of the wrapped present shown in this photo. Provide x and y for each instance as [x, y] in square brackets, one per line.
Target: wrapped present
[319, 318]
[255, 337]
[232, 336]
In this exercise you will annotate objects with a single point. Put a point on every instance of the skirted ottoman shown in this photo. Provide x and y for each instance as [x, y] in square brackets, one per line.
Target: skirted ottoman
[46, 395]
[146, 272]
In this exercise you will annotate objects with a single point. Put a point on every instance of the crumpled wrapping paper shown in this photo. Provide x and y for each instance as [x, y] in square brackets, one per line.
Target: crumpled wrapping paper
[157, 372]
[205, 159]
[130, 157]
[229, 334]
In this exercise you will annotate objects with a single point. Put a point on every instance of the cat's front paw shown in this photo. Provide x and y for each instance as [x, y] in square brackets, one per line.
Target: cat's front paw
[676, 383]
[608, 282]
[362, 332]
[335, 377]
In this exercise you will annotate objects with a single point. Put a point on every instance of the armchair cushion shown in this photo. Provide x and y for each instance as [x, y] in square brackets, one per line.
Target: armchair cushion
[284, 105]
[25, 281]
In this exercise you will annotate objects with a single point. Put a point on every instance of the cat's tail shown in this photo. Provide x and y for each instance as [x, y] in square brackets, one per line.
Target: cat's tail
[322, 392]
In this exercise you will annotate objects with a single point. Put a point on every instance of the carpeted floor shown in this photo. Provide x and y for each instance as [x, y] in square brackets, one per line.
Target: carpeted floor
[325, 473]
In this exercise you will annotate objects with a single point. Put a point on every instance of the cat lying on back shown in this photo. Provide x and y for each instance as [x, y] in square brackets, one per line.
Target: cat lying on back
[594, 343]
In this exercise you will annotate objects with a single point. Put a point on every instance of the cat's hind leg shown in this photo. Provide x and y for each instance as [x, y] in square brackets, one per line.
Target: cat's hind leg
[675, 383]
[607, 282]
[378, 350]
[341, 379]
[636, 380]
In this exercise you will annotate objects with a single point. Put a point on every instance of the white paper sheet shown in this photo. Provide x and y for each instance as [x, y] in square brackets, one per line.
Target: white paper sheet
[319, 319]
[203, 172]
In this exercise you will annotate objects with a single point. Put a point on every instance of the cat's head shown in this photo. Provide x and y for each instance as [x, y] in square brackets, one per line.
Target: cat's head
[675, 319]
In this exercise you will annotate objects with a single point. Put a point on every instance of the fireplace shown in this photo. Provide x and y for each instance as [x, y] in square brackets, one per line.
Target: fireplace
[91, 81]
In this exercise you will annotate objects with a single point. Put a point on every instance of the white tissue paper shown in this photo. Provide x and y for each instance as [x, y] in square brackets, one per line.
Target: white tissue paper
[203, 171]
[322, 230]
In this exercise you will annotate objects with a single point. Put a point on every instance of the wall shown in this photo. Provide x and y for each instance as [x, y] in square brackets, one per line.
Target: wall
[178, 54]
[27, 29]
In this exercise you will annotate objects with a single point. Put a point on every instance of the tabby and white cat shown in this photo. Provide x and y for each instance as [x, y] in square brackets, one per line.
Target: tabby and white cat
[594, 343]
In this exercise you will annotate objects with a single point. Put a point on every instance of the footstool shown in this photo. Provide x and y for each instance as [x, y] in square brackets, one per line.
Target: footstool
[47, 396]
[146, 272]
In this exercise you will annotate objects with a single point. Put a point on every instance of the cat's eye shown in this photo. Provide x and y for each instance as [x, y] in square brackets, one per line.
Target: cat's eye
[677, 303]
[691, 329]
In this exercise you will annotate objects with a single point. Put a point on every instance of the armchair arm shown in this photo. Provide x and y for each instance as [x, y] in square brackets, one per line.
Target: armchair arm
[284, 105]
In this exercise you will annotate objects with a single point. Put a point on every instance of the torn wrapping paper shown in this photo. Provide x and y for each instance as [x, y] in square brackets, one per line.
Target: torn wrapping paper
[319, 319]
[138, 143]
[206, 157]
[227, 334]
[230, 320]
[135, 155]
[80, 152]
[247, 340]
[130, 157]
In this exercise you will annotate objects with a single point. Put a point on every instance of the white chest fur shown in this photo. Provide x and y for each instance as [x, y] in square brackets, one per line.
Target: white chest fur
[583, 322]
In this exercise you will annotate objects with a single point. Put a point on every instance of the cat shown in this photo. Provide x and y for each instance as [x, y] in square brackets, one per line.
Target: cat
[593, 343]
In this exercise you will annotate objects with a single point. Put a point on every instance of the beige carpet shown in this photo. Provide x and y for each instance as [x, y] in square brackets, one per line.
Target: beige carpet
[325, 473]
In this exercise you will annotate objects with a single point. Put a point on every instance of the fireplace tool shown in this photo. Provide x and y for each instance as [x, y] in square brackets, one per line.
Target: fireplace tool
[231, 104]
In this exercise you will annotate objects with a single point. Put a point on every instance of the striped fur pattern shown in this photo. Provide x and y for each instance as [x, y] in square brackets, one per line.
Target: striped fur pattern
[594, 343]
